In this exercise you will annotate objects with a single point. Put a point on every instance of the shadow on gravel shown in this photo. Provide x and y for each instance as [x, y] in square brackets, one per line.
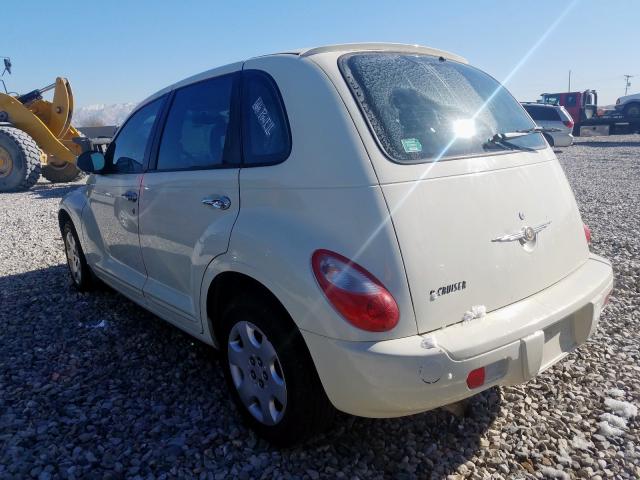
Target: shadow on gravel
[609, 144]
[92, 385]
[52, 191]
[48, 190]
[432, 443]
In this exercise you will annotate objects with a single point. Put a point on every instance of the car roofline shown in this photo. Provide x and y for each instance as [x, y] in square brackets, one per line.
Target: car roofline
[536, 104]
[381, 47]
[308, 52]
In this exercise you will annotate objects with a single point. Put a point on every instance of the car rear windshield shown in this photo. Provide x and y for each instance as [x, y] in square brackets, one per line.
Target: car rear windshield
[424, 108]
[540, 112]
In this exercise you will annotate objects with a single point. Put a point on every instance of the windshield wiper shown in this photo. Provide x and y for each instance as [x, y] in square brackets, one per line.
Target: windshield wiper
[504, 139]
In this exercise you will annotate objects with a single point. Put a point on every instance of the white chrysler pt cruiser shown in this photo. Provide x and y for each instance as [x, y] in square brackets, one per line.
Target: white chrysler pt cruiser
[375, 228]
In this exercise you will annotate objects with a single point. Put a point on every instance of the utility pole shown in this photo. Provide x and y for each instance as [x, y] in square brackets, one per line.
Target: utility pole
[569, 81]
[627, 83]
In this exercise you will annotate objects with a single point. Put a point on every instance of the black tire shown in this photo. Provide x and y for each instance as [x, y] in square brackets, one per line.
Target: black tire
[308, 411]
[632, 111]
[60, 174]
[576, 130]
[79, 271]
[549, 139]
[20, 162]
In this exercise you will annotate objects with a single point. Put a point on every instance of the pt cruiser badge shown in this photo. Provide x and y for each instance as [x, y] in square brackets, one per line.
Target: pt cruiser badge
[454, 287]
[525, 235]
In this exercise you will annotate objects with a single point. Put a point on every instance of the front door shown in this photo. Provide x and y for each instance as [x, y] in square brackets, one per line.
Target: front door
[190, 200]
[111, 219]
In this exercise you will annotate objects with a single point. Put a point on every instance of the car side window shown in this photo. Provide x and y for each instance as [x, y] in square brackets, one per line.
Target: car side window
[265, 128]
[199, 129]
[126, 154]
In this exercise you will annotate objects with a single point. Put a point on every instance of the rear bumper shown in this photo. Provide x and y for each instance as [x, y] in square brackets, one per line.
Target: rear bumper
[418, 373]
[562, 139]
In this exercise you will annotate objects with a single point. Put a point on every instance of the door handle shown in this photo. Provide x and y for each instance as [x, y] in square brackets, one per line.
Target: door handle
[130, 195]
[221, 203]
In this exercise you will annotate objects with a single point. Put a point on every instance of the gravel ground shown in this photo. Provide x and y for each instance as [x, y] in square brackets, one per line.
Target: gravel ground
[92, 386]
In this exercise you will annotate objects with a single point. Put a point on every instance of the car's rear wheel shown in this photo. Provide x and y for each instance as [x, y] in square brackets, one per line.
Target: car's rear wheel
[270, 374]
[81, 275]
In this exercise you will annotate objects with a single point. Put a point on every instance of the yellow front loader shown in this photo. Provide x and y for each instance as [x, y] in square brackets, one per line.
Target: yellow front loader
[36, 137]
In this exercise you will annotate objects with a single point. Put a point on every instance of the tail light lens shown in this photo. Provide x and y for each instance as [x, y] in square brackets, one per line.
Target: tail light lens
[587, 233]
[568, 123]
[354, 292]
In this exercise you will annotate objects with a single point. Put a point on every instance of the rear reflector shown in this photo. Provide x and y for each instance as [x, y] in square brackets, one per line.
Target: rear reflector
[587, 233]
[354, 292]
[475, 378]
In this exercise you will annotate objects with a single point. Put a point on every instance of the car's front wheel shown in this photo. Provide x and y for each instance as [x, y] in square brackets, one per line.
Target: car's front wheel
[81, 275]
[270, 374]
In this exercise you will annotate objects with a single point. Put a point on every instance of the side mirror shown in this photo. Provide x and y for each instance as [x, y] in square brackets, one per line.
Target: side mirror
[91, 162]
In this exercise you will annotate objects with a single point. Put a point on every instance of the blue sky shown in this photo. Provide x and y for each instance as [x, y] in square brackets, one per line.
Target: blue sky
[121, 51]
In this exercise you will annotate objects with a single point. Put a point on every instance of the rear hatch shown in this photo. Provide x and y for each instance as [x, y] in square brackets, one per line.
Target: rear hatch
[479, 223]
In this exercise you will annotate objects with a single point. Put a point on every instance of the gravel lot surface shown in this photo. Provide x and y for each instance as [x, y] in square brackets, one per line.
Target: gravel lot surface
[92, 386]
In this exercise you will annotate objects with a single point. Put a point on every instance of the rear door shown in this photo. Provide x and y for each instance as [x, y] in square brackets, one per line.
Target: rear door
[111, 219]
[479, 221]
[454, 233]
[571, 103]
[189, 199]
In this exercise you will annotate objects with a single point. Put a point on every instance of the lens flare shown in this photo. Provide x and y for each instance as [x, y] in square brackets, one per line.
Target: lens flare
[464, 128]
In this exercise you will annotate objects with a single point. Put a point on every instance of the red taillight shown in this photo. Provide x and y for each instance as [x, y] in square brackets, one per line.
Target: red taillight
[475, 378]
[355, 293]
[568, 123]
[587, 233]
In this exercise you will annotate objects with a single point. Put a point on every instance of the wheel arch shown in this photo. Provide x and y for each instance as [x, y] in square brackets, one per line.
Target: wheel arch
[70, 208]
[630, 104]
[63, 217]
[224, 286]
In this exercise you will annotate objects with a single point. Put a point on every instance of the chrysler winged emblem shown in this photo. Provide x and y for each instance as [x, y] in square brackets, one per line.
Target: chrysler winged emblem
[526, 234]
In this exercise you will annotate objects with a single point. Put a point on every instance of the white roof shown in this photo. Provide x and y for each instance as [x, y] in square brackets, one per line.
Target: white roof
[380, 47]
[308, 52]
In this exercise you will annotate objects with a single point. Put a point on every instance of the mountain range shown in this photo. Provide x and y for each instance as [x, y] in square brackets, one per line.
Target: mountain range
[100, 114]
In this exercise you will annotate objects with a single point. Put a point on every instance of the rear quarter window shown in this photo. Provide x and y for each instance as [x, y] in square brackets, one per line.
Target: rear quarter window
[265, 127]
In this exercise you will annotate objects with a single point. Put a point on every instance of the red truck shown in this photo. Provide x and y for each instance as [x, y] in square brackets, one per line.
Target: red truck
[581, 106]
